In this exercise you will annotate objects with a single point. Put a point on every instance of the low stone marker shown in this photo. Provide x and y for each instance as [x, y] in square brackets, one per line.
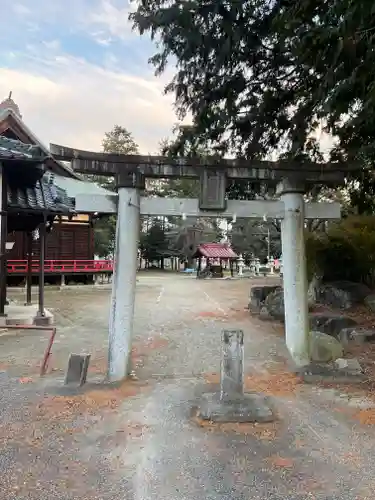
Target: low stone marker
[231, 404]
[77, 369]
[232, 354]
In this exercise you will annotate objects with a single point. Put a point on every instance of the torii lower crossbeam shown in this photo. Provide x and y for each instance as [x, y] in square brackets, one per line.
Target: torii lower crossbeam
[257, 209]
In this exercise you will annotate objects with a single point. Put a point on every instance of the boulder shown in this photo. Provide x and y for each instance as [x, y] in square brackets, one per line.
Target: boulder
[356, 335]
[370, 302]
[341, 294]
[324, 348]
[258, 295]
[274, 304]
[351, 366]
[331, 324]
[264, 314]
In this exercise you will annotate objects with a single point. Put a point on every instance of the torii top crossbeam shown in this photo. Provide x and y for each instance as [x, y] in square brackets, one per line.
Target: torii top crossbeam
[269, 172]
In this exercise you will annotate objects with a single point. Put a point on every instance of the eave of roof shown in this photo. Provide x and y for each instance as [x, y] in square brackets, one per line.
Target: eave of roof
[12, 150]
[10, 113]
[41, 198]
[215, 251]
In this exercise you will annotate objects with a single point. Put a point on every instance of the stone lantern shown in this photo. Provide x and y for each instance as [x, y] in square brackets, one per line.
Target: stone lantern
[240, 264]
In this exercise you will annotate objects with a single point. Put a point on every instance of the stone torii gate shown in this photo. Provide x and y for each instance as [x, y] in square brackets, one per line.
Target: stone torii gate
[290, 182]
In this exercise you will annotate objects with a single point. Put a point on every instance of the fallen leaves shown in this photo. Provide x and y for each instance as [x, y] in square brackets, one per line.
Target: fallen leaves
[212, 314]
[90, 402]
[352, 458]
[155, 343]
[277, 383]
[262, 431]
[281, 462]
[274, 384]
[212, 378]
[25, 380]
[98, 365]
[151, 344]
[231, 313]
[366, 416]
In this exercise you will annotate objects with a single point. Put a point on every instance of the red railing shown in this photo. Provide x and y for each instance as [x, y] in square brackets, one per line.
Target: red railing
[61, 266]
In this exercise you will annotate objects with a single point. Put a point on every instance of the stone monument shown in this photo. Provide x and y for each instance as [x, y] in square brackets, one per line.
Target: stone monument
[230, 403]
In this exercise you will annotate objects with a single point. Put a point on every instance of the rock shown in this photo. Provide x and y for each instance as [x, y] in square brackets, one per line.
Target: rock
[274, 304]
[258, 295]
[331, 324]
[341, 294]
[351, 366]
[370, 302]
[324, 348]
[356, 335]
[264, 314]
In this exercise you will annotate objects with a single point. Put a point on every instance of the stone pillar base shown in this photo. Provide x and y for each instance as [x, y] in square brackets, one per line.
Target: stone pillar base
[240, 409]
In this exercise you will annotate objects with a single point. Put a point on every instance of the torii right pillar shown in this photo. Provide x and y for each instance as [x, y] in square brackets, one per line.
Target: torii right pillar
[295, 271]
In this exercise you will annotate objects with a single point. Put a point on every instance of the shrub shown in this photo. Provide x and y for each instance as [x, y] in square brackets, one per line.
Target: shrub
[345, 252]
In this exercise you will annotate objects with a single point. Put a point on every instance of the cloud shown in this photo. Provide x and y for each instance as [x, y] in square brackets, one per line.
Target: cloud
[87, 74]
[111, 19]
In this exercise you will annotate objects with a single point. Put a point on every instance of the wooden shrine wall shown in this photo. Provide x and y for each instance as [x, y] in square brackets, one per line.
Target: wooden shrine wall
[66, 242]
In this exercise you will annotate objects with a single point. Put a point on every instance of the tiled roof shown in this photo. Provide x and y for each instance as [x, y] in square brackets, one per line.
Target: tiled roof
[74, 186]
[8, 109]
[215, 251]
[17, 150]
[43, 197]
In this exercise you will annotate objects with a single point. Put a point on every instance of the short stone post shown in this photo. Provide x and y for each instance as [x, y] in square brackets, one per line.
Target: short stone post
[77, 369]
[231, 379]
[230, 404]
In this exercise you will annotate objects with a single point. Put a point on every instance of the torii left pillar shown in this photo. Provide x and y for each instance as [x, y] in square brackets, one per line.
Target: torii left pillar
[124, 276]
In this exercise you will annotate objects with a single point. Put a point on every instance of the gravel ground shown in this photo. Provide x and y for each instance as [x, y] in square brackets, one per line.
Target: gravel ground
[140, 440]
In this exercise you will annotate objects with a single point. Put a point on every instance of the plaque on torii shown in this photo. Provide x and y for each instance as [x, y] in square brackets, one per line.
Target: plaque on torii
[212, 190]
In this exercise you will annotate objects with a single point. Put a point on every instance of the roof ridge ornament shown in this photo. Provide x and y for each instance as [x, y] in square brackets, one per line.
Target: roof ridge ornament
[9, 104]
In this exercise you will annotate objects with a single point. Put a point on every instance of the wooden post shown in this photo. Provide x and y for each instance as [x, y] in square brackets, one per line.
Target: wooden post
[42, 249]
[199, 265]
[3, 238]
[29, 276]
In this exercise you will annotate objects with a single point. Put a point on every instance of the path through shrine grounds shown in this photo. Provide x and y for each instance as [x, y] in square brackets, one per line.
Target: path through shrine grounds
[140, 440]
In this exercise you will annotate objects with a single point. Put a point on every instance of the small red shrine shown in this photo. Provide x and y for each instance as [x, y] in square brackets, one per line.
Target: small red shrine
[215, 255]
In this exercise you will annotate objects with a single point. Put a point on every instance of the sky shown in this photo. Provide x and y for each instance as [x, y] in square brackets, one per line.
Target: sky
[76, 68]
